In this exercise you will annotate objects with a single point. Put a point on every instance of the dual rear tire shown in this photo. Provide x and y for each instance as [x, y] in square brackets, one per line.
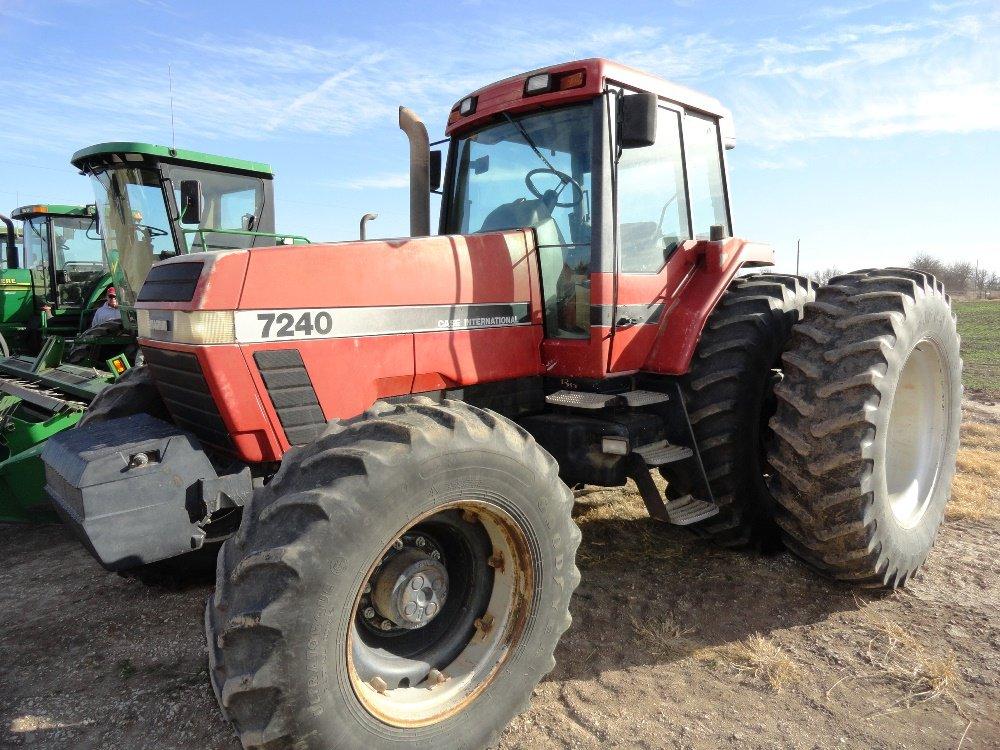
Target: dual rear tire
[867, 426]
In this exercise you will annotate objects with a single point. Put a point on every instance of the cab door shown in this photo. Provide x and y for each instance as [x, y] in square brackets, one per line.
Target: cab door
[653, 223]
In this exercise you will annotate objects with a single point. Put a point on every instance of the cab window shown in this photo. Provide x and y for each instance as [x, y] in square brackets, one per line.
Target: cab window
[652, 206]
[232, 202]
[534, 171]
[79, 257]
[705, 181]
[36, 243]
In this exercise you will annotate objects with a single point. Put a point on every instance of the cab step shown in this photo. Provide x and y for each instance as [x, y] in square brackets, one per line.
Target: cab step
[686, 510]
[580, 399]
[636, 399]
[662, 452]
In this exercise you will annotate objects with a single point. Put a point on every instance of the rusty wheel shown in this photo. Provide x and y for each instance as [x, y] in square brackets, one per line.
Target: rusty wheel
[401, 582]
[440, 611]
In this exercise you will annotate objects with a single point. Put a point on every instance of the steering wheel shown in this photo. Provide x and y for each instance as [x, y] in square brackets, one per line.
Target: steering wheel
[564, 180]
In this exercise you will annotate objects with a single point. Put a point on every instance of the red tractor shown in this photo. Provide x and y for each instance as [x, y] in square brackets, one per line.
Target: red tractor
[399, 422]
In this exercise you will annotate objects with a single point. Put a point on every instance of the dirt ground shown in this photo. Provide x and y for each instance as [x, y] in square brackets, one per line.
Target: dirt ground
[674, 644]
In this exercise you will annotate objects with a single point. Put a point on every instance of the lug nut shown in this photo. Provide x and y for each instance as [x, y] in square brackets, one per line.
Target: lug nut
[367, 589]
[398, 544]
[369, 613]
[386, 625]
[435, 554]
[420, 541]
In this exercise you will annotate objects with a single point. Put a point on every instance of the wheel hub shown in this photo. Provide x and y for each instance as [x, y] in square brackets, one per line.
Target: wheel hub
[410, 589]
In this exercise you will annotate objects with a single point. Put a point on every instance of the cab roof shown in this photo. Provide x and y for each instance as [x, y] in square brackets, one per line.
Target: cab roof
[48, 209]
[125, 152]
[509, 95]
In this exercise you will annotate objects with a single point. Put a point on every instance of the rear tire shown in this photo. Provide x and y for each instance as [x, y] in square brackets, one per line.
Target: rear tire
[290, 626]
[729, 398]
[868, 422]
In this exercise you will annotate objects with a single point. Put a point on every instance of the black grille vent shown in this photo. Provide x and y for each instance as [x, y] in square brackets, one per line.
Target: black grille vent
[292, 394]
[185, 393]
[171, 282]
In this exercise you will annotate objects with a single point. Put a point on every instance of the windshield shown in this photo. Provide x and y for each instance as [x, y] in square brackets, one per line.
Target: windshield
[134, 224]
[535, 171]
[231, 202]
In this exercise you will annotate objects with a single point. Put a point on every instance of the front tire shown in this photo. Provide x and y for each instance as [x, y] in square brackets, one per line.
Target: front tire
[309, 638]
[868, 422]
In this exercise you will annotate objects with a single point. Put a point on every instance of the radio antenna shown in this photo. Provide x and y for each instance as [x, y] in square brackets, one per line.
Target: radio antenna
[173, 133]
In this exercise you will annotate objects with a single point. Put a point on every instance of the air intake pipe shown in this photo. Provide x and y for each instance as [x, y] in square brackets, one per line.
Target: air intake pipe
[420, 180]
[11, 242]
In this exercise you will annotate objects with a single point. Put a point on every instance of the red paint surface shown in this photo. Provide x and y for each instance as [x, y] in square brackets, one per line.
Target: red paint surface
[349, 374]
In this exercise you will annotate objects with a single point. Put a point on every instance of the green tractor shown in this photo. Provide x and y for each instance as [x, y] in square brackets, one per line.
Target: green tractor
[55, 280]
[152, 203]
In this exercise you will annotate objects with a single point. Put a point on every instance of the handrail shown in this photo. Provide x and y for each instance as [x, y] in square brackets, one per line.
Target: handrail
[296, 239]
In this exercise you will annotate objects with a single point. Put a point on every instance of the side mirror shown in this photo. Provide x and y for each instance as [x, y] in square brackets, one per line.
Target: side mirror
[190, 202]
[434, 166]
[637, 115]
[480, 165]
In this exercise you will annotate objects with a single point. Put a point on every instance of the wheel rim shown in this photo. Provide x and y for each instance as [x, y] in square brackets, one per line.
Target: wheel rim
[441, 609]
[916, 434]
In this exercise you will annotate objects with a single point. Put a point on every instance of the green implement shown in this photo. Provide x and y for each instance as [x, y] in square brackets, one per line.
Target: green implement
[152, 203]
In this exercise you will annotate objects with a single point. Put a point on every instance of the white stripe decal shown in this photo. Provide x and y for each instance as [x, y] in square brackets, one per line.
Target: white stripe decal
[254, 326]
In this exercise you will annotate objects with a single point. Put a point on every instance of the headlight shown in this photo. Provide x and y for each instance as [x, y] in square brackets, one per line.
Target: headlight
[200, 327]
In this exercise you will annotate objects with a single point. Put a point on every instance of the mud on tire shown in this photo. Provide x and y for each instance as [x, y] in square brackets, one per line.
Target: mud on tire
[287, 629]
[729, 397]
[867, 423]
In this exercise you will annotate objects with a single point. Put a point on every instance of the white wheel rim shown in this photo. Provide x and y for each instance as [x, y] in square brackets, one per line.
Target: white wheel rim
[916, 434]
[479, 663]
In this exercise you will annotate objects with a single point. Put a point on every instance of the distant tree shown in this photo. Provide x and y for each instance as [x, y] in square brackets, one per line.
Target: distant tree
[822, 277]
[956, 276]
[980, 280]
[927, 264]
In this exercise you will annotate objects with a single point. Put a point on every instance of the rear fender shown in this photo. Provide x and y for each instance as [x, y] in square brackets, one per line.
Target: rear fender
[685, 318]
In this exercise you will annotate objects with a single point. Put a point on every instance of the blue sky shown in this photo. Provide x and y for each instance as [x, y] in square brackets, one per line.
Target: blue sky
[870, 129]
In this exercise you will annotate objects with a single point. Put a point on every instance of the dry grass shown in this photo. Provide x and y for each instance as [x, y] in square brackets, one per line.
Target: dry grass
[663, 637]
[976, 489]
[901, 658]
[762, 659]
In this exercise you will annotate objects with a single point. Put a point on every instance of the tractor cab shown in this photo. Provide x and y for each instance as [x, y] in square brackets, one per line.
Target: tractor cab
[59, 276]
[622, 178]
[155, 202]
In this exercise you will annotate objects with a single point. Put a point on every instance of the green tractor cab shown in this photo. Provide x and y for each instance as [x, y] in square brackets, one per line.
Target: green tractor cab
[152, 203]
[55, 281]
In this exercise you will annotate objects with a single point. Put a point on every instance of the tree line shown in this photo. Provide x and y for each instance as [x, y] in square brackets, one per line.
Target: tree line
[959, 276]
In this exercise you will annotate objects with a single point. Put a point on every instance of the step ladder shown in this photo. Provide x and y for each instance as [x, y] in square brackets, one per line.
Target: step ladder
[662, 452]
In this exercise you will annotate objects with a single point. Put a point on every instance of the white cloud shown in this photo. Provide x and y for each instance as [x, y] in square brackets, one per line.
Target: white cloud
[387, 181]
[932, 73]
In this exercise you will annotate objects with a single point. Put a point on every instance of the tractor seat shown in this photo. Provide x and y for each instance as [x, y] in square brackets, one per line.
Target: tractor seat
[642, 246]
[520, 214]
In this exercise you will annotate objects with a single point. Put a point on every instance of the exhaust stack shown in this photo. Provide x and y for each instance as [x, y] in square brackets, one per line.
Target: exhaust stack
[12, 242]
[420, 192]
